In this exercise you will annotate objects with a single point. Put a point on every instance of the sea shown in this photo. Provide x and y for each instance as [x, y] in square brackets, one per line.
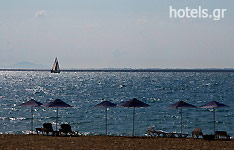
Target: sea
[83, 90]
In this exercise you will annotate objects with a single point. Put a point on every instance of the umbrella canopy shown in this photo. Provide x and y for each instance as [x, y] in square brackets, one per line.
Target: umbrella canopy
[180, 105]
[32, 103]
[133, 103]
[106, 104]
[214, 105]
[58, 104]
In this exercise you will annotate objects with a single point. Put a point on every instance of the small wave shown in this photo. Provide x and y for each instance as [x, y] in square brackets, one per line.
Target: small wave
[28, 132]
[12, 118]
[153, 100]
[3, 118]
[206, 84]
[122, 86]
[19, 118]
[85, 133]
[12, 108]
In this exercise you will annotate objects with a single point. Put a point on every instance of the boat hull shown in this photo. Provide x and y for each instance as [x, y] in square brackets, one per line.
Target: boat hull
[55, 71]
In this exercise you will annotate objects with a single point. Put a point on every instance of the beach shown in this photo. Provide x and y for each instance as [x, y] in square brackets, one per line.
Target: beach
[9, 141]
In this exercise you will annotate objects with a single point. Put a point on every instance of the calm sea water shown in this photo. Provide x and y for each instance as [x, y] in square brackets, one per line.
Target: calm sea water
[83, 90]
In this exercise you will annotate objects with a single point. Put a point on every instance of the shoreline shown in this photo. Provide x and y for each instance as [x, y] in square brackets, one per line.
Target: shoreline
[10, 141]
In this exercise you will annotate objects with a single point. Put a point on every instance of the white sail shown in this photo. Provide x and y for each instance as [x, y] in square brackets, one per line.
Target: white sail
[55, 68]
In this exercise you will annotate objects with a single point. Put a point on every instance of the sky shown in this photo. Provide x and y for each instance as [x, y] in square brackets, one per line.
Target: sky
[115, 34]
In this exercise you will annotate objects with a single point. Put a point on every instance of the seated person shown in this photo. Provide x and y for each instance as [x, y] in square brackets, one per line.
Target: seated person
[197, 132]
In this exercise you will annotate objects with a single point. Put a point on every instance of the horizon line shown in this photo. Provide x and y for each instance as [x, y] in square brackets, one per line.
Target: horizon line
[133, 70]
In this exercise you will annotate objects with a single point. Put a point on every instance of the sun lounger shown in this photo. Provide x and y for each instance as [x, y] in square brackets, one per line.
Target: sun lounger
[181, 135]
[197, 132]
[221, 135]
[66, 129]
[170, 135]
[175, 135]
[153, 133]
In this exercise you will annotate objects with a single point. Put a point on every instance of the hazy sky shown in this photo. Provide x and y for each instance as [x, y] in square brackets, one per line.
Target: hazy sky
[114, 33]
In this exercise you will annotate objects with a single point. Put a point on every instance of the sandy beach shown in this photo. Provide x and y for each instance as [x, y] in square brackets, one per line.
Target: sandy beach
[107, 142]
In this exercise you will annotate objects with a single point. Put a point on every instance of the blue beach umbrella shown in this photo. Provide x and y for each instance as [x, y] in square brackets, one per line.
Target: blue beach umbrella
[106, 104]
[32, 103]
[214, 105]
[58, 104]
[180, 105]
[133, 103]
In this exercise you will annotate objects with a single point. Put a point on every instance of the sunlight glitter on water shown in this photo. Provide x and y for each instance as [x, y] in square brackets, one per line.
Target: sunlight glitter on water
[85, 90]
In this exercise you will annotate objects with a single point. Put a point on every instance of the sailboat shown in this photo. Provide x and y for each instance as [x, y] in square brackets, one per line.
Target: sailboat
[55, 68]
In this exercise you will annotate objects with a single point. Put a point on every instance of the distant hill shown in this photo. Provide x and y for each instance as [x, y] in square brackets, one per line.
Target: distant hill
[27, 65]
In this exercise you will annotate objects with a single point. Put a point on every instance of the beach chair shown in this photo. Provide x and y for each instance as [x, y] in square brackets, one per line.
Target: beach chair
[166, 134]
[181, 135]
[197, 132]
[153, 133]
[66, 128]
[221, 135]
[47, 128]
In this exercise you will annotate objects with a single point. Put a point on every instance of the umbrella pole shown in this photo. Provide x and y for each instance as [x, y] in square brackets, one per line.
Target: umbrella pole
[181, 120]
[106, 120]
[32, 120]
[214, 119]
[133, 121]
[57, 119]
